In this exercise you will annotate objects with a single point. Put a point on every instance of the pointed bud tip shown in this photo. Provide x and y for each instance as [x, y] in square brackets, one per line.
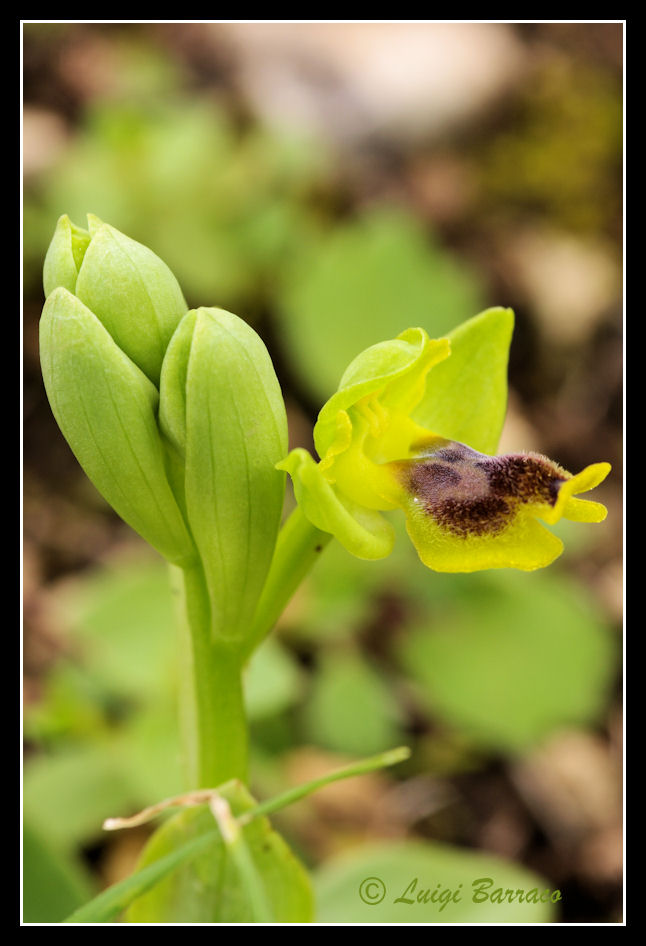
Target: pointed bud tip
[64, 255]
[94, 224]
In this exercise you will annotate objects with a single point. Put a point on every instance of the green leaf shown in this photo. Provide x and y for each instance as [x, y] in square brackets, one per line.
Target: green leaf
[367, 281]
[351, 708]
[466, 394]
[273, 681]
[348, 888]
[209, 889]
[236, 432]
[514, 658]
[106, 409]
[67, 796]
[118, 681]
[148, 750]
[54, 883]
[120, 617]
[115, 899]
[71, 705]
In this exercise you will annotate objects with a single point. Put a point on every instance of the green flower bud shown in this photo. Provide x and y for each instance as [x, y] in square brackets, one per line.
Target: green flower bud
[128, 288]
[107, 409]
[222, 411]
[64, 256]
[172, 409]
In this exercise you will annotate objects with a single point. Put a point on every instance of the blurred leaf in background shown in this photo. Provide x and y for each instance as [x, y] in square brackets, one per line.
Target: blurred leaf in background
[351, 708]
[344, 894]
[54, 883]
[222, 208]
[106, 725]
[504, 660]
[363, 282]
[501, 663]
[513, 659]
[235, 216]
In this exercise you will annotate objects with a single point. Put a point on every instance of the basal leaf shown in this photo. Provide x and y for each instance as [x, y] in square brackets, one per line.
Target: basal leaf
[210, 889]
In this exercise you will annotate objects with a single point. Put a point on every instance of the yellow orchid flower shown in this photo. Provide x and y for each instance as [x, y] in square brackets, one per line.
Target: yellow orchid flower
[465, 510]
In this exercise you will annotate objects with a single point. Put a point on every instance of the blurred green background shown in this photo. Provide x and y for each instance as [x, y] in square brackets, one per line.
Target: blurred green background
[334, 184]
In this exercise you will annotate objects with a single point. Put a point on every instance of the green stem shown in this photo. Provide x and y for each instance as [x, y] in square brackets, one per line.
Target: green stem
[299, 545]
[213, 723]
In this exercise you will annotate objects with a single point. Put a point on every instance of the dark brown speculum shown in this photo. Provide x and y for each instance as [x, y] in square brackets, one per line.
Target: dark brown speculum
[470, 493]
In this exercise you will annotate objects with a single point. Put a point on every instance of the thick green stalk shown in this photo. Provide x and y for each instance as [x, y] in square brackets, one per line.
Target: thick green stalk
[299, 545]
[213, 723]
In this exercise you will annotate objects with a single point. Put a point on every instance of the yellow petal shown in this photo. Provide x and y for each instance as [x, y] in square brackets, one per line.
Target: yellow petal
[584, 510]
[579, 510]
[522, 543]
[363, 532]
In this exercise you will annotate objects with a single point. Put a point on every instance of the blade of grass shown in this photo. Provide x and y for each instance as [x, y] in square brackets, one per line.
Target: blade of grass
[113, 901]
[236, 845]
[381, 761]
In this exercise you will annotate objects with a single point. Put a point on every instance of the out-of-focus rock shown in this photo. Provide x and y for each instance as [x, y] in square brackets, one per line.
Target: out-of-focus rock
[351, 811]
[88, 64]
[573, 786]
[601, 857]
[518, 434]
[570, 281]
[442, 187]
[610, 588]
[122, 854]
[506, 833]
[44, 136]
[343, 812]
[299, 426]
[351, 81]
